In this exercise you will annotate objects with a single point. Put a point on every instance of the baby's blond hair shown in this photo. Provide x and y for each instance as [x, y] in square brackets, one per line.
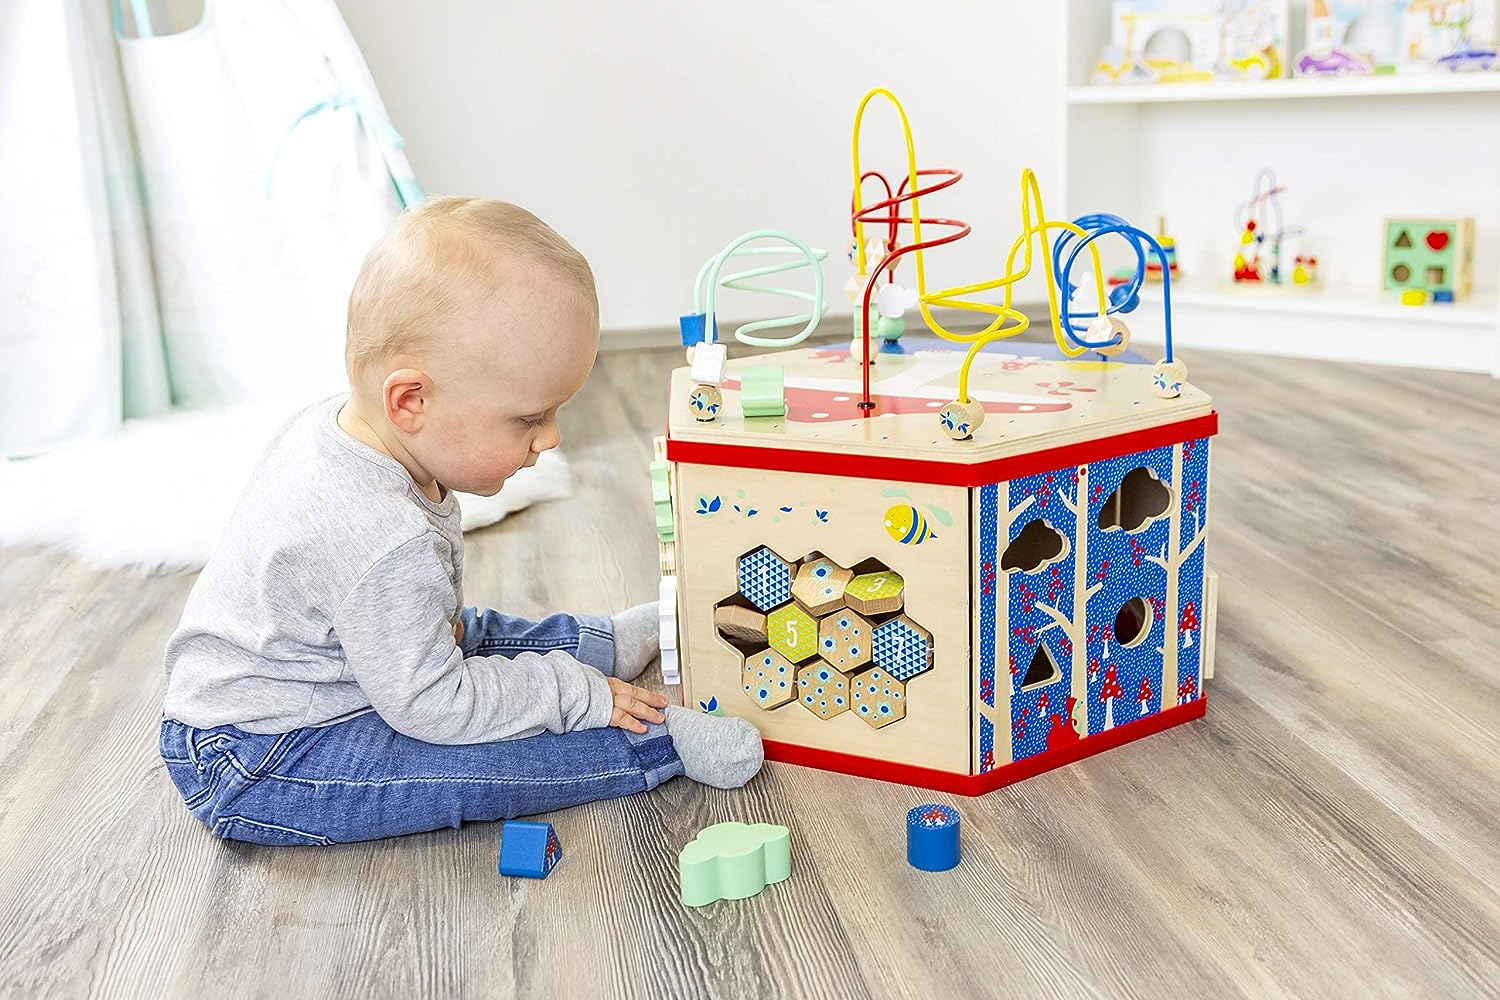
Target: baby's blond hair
[415, 277]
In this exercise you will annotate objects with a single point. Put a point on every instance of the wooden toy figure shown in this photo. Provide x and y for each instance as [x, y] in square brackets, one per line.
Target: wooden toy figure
[954, 571]
[1168, 244]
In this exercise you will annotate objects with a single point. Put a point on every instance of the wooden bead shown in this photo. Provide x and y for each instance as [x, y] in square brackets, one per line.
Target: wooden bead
[960, 420]
[704, 402]
[1168, 378]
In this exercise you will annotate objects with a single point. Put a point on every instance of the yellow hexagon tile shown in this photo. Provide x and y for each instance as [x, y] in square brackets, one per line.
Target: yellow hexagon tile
[793, 633]
[877, 593]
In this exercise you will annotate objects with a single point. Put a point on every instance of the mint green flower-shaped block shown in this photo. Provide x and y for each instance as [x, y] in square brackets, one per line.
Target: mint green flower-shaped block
[733, 861]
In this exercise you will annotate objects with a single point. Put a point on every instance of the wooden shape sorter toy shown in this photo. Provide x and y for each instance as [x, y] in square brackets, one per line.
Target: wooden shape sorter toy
[884, 595]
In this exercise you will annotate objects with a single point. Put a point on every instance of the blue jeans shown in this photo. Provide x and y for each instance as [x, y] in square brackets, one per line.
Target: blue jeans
[362, 780]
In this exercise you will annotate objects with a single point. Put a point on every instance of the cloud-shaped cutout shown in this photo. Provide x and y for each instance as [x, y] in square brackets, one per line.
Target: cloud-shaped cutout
[1037, 545]
[733, 861]
[1140, 499]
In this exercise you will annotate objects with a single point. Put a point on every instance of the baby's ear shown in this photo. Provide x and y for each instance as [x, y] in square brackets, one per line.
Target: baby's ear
[404, 398]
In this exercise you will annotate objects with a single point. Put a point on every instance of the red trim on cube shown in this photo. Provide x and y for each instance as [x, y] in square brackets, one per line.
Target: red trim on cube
[916, 470]
[979, 784]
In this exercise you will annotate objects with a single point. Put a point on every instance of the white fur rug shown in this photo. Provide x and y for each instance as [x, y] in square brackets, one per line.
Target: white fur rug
[158, 493]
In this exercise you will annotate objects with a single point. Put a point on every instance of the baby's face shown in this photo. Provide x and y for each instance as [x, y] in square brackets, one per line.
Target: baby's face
[516, 360]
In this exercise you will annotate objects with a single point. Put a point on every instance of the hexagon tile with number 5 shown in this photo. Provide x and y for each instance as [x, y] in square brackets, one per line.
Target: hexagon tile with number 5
[793, 633]
[876, 593]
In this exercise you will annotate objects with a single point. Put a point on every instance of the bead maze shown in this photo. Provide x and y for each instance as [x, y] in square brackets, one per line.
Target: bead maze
[950, 568]
[1262, 228]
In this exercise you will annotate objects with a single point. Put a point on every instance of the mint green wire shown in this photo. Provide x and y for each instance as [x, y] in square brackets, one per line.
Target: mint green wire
[709, 280]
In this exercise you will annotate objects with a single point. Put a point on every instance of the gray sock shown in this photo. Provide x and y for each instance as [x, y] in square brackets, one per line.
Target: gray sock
[637, 640]
[721, 751]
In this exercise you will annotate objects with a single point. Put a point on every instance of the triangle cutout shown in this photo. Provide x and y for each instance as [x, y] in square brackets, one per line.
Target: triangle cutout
[1404, 240]
[1043, 669]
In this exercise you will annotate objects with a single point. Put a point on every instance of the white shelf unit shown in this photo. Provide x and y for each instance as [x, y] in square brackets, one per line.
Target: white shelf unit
[1350, 151]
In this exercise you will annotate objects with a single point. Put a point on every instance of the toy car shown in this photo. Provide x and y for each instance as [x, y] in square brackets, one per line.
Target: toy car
[1332, 62]
[1482, 60]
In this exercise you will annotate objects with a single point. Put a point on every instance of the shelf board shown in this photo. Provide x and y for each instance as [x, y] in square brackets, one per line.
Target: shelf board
[1481, 310]
[1395, 85]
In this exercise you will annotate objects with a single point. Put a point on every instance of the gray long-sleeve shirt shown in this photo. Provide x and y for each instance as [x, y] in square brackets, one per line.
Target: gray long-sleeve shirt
[334, 590]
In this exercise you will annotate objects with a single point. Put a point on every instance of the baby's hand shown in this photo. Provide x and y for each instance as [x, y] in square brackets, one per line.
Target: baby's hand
[633, 704]
[458, 633]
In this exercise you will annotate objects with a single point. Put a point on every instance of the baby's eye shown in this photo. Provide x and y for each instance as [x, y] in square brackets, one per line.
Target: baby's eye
[533, 422]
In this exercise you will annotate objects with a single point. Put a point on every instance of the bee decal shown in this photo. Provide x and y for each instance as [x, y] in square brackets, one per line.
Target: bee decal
[907, 525]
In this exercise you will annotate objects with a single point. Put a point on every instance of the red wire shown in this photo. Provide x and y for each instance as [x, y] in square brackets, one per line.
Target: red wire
[888, 263]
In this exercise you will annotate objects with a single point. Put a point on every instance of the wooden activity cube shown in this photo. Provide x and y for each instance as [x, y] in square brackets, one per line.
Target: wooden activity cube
[881, 600]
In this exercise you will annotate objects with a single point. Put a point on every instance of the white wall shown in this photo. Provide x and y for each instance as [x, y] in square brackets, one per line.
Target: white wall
[651, 133]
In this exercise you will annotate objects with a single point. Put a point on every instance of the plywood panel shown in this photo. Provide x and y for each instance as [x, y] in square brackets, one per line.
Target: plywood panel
[1031, 402]
[844, 519]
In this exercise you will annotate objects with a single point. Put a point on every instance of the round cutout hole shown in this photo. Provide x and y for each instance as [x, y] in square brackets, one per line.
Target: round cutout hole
[1400, 272]
[1133, 622]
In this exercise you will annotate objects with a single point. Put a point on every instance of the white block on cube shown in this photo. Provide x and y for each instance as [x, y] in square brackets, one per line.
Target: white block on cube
[708, 364]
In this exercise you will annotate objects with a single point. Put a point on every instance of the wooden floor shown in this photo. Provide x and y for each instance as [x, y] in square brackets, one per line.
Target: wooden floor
[1331, 829]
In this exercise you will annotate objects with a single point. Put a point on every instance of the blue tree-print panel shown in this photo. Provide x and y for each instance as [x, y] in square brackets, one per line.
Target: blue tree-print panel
[1190, 612]
[1046, 497]
[1124, 563]
[1118, 561]
[988, 563]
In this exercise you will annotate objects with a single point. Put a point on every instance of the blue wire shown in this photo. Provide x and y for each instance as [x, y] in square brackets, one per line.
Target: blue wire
[1122, 298]
[1140, 241]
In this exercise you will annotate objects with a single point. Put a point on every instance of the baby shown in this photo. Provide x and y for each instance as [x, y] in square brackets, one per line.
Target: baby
[326, 683]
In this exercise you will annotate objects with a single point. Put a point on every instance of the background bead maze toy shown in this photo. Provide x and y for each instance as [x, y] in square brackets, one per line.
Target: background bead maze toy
[760, 391]
[733, 861]
[1429, 259]
[932, 833]
[528, 849]
[1013, 584]
[1262, 229]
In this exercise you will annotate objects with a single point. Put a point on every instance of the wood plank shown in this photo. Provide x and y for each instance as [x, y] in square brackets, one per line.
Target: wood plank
[1327, 830]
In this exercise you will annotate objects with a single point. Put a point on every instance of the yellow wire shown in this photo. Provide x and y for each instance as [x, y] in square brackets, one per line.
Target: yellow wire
[953, 298]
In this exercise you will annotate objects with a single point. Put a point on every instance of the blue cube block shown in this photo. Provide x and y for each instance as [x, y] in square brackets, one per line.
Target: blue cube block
[1443, 295]
[932, 837]
[529, 850]
[692, 326]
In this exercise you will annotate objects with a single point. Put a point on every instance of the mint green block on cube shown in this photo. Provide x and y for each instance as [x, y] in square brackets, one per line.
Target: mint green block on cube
[762, 391]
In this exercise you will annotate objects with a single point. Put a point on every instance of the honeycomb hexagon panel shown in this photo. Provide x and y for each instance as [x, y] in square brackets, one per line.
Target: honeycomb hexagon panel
[825, 622]
[879, 698]
[768, 679]
[819, 586]
[822, 690]
[793, 633]
[765, 579]
[844, 640]
[876, 593]
[903, 648]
